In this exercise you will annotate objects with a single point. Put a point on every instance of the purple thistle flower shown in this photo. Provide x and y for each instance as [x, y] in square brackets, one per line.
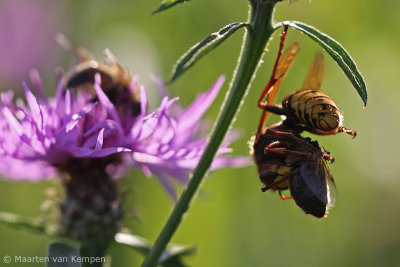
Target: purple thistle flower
[173, 151]
[45, 135]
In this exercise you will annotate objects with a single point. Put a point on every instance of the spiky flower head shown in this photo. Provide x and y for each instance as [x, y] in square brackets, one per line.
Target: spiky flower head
[86, 139]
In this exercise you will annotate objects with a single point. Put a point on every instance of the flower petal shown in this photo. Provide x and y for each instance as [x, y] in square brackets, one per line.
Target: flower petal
[103, 99]
[197, 109]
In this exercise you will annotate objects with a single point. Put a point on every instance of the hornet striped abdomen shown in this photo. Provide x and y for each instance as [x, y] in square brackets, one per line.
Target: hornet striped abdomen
[313, 108]
[309, 108]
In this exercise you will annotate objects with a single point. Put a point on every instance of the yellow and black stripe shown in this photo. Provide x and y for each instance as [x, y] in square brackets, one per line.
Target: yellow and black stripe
[313, 108]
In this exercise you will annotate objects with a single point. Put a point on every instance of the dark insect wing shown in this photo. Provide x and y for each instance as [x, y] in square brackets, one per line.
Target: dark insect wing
[302, 186]
[312, 186]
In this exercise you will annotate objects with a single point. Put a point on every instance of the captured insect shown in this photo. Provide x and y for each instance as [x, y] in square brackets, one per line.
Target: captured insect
[284, 158]
[115, 80]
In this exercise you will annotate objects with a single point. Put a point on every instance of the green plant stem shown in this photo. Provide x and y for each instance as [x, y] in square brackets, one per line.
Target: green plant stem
[252, 50]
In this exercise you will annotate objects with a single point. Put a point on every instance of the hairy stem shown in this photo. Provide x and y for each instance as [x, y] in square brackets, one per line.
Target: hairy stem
[253, 47]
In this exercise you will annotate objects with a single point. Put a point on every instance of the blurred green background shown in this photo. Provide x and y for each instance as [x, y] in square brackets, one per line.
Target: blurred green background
[232, 222]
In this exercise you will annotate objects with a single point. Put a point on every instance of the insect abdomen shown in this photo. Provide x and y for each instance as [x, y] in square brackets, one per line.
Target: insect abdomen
[313, 108]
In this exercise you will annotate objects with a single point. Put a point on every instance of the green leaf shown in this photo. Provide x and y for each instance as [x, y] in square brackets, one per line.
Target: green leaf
[203, 47]
[61, 255]
[21, 223]
[170, 257]
[138, 243]
[167, 4]
[31, 225]
[337, 52]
